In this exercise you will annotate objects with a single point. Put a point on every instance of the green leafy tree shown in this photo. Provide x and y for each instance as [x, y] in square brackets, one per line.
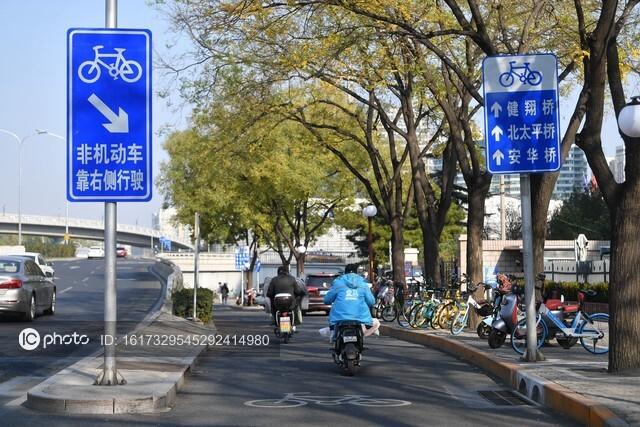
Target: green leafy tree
[585, 212]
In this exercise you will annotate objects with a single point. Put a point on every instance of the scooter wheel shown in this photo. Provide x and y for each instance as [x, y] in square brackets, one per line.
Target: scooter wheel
[496, 338]
[350, 367]
[483, 330]
[285, 338]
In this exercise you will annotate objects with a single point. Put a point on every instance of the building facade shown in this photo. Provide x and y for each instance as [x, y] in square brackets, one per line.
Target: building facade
[574, 174]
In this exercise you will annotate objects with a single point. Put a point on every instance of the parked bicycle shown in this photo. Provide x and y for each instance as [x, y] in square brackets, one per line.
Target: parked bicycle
[482, 307]
[592, 330]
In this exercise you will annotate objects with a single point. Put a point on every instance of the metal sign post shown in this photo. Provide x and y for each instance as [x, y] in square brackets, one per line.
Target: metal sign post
[109, 138]
[196, 266]
[522, 126]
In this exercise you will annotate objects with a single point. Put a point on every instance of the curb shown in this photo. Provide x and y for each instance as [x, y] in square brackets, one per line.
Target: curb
[544, 392]
[157, 401]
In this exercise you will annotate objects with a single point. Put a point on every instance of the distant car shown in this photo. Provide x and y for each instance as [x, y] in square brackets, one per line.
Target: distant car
[121, 252]
[318, 284]
[24, 288]
[95, 252]
[46, 267]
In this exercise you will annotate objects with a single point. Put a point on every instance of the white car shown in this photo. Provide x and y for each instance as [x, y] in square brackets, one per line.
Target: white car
[46, 267]
[95, 252]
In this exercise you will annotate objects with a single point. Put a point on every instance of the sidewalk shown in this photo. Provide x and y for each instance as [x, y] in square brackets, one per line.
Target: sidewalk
[153, 368]
[573, 382]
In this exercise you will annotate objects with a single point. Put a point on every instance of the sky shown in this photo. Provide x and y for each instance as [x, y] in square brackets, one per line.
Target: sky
[33, 96]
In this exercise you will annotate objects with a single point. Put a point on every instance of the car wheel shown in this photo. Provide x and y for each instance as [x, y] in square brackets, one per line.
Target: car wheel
[30, 314]
[52, 308]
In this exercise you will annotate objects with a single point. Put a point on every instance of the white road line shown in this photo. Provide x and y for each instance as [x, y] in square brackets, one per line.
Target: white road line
[85, 279]
[65, 290]
[74, 267]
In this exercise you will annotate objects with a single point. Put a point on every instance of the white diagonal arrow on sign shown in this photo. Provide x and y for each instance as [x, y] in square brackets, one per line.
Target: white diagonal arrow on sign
[498, 156]
[496, 109]
[119, 122]
[497, 133]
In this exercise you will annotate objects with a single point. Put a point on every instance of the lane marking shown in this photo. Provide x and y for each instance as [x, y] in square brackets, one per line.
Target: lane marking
[74, 267]
[85, 279]
[65, 290]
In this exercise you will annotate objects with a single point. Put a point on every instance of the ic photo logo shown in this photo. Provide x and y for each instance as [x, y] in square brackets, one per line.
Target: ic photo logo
[29, 339]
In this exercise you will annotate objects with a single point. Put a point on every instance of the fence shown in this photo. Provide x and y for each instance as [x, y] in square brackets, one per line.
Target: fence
[581, 271]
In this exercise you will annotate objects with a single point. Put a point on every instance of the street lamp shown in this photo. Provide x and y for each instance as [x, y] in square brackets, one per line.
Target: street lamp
[369, 212]
[300, 265]
[629, 118]
[20, 143]
[66, 224]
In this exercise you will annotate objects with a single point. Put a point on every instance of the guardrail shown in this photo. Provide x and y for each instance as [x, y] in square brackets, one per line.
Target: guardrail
[61, 221]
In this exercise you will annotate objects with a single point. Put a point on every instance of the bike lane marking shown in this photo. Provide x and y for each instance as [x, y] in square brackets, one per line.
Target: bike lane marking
[293, 400]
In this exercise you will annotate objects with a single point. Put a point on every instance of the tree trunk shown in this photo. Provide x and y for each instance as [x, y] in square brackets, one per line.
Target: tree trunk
[397, 248]
[541, 190]
[624, 289]
[475, 224]
[431, 256]
[300, 265]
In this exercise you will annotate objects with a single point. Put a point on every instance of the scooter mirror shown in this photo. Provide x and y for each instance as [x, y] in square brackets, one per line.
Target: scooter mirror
[561, 298]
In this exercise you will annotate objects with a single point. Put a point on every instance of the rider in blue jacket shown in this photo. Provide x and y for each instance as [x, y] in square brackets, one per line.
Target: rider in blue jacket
[351, 299]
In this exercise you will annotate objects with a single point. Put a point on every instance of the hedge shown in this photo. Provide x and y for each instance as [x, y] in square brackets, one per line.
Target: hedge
[570, 290]
[183, 304]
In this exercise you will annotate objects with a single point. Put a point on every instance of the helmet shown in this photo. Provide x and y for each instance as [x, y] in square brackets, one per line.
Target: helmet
[351, 268]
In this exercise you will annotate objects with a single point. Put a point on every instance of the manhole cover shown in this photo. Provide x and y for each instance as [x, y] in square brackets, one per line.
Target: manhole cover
[503, 397]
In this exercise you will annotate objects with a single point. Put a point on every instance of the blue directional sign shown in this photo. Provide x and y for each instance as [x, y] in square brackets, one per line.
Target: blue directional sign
[521, 119]
[165, 243]
[242, 258]
[109, 115]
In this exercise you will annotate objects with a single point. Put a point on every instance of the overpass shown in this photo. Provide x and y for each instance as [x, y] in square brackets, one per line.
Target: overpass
[88, 229]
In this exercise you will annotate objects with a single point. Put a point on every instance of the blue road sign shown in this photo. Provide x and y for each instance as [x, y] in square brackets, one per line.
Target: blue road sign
[165, 243]
[521, 114]
[258, 266]
[242, 258]
[109, 115]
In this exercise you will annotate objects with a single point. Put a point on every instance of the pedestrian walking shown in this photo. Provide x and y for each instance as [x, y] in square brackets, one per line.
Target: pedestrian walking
[224, 291]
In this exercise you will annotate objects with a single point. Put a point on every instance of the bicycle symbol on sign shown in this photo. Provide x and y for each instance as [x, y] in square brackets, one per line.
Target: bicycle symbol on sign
[523, 72]
[130, 71]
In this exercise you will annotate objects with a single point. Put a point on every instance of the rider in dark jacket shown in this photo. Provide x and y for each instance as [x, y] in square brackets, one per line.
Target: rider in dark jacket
[284, 283]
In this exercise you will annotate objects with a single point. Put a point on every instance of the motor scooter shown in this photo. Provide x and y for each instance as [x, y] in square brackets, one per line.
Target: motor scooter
[285, 318]
[507, 316]
[348, 345]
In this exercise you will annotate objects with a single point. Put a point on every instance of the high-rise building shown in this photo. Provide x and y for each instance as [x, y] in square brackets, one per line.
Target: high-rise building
[511, 185]
[574, 174]
[618, 169]
[165, 222]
